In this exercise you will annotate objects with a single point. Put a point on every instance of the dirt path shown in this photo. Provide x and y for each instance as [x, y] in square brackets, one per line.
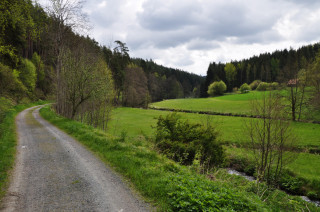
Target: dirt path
[53, 172]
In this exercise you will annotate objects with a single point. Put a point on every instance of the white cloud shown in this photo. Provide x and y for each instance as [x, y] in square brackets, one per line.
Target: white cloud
[190, 34]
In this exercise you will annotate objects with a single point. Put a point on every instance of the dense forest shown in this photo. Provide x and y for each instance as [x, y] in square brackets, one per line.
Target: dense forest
[279, 66]
[44, 55]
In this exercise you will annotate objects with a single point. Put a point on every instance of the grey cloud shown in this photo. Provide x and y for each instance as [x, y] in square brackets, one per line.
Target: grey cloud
[107, 15]
[207, 21]
[167, 15]
[198, 44]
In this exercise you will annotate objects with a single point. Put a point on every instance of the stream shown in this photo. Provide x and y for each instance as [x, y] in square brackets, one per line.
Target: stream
[250, 178]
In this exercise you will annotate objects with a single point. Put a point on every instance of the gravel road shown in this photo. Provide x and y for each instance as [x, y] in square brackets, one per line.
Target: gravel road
[53, 172]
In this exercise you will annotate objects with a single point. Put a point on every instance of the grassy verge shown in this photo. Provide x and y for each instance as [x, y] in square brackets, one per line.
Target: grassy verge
[168, 185]
[8, 142]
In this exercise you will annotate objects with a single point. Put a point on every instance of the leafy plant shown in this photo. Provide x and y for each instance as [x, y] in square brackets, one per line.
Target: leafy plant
[217, 88]
[263, 86]
[254, 84]
[244, 88]
[181, 140]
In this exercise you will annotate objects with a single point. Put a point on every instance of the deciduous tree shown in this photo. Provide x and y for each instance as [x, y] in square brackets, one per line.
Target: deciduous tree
[270, 137]
[231, 73]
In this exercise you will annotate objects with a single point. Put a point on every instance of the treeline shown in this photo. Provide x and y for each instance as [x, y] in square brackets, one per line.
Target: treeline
[43, 56]
[279, 66]
[139, 82]
[169, 83]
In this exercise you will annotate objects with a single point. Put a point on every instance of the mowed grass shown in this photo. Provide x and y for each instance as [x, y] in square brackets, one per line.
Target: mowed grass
[230, 103]
[134, 122]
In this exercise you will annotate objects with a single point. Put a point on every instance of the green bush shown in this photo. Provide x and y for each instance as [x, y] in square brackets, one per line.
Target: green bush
[217, 88]
[28, 74]
[254, 84]
[10, 84]
[244, 88]
[274, 86]
[5, 105]
[263, 86]
[291, 183]
[182, 141]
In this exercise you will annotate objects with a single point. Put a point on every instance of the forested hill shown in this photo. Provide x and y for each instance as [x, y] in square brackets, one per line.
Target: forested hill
[41, 56]
[278, 66]
[169, 83]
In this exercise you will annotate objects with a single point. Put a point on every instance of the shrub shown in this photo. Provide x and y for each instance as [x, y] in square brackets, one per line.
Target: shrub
[10, 84]
[274, 86]
[254, 84]
[244, 88]
[263, 86]
[28, 74]
[217, 88]
[181, 141]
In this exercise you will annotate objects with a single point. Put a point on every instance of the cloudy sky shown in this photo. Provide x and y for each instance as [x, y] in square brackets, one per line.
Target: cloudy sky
[189, 34]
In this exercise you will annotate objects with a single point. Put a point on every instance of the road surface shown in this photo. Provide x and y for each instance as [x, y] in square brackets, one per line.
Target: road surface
[53, 172]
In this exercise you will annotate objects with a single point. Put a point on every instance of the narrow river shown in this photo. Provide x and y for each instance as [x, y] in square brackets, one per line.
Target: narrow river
[250, 178]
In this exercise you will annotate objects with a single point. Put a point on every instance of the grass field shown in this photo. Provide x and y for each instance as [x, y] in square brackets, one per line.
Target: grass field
[136, 121]
[170, 186]
[230, 103]
[235, 104]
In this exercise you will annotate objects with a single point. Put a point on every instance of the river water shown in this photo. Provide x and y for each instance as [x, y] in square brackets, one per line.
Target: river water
[250, 178]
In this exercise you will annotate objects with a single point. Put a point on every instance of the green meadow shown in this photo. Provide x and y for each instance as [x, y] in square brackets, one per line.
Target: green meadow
[167, 185]
[134, 122]
[230, 103]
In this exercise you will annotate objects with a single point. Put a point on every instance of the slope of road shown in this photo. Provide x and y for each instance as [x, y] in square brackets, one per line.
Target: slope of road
[53, 172]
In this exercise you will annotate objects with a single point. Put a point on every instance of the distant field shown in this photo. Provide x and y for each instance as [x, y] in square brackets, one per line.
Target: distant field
[230, 103]
[135, 122]
[239, 104]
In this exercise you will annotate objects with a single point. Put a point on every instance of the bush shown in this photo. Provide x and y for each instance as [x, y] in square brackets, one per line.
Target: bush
[274, 86]
[217, 88]
[254, 84]
[244, 88]
[28, 74]
[263, 86]
[182, 141]
[10, 84]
